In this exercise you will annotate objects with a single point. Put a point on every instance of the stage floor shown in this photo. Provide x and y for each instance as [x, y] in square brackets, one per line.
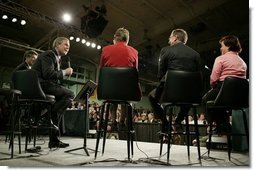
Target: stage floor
[115, 155]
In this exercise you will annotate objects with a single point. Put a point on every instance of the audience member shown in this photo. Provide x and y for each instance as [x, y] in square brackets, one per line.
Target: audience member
[150, 118]
[177, 56]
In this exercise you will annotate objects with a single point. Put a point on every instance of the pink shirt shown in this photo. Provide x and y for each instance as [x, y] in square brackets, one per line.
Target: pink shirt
[229, 64]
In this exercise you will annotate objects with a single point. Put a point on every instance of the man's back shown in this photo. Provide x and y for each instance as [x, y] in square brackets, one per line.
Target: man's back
[179, 57]
[119, 55]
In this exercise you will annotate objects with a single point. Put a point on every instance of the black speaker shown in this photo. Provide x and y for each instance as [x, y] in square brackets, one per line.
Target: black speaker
[93, 24]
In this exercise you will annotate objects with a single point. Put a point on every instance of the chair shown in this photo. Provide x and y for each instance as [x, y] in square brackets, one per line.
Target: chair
[12, 96]
[32, 94]
[181, 88]
[233, 95]
[117, 85]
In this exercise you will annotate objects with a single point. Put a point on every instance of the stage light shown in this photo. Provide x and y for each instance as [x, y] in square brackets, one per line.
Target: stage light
[14, 20]
[77, 39]
[93, 45]
[4, 17]
[23, 22]
[98, 47]
[83, 41]
[71, 38]
[66, 17]
[88, 43]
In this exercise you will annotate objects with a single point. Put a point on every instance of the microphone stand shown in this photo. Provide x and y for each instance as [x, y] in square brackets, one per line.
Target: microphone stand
[86, 128]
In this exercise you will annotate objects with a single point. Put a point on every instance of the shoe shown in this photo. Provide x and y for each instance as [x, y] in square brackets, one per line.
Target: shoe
[58, 144]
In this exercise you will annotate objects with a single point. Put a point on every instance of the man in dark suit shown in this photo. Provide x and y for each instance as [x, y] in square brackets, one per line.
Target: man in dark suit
[177, 56]
[28, 60]
[48, 69]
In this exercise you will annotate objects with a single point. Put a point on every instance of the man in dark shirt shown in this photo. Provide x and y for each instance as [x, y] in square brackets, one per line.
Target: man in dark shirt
[177, 56]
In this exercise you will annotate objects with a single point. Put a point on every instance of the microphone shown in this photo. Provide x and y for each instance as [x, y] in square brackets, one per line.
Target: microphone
[69, 62]
[206, 67]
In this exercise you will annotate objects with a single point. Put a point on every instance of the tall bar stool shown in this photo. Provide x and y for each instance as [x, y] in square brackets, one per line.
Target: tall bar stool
[117, 85]
[27, 81]
[233, 95]
[182, 88]
[12, 96]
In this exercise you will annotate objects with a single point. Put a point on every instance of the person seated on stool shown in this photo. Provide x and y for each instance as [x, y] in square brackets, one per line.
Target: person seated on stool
[176, 56]
[229, 63]
[120, 54]
[50, 74]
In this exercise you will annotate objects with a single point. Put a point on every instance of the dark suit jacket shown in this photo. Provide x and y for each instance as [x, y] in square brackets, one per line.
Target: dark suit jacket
[178, 57]
[21, 66]
[46, 67]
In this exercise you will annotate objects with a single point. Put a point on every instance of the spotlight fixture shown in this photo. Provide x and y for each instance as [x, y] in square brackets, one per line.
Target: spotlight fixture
[77, 39]
[23, 22]
[71, 38]
[83, 41]
[98, 47]
[4, 17]
[93, 45]
[66, 17]
[88, 43]
[14, 20]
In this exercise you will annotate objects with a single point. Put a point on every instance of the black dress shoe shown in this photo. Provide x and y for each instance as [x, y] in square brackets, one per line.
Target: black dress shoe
[58, 144]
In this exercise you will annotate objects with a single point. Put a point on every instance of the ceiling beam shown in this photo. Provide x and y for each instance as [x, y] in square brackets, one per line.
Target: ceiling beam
[122, 11]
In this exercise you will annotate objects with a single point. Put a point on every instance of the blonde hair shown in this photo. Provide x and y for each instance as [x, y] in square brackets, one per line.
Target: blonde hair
[122, 35]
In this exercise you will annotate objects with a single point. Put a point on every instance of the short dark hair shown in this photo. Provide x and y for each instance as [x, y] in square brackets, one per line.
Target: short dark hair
[29, 54]
[232, 42]
[181, 35]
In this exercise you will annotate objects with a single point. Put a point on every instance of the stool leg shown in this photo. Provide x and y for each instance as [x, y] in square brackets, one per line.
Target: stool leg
[197, 132]
[161, 141]
[129, 133]
[229, 145]
[169, 135]
[229, 142]
[99, 130]
[132, 132]
[187, 133]
[245, 126]
[209, 138]
[17, 120]
[105, 127]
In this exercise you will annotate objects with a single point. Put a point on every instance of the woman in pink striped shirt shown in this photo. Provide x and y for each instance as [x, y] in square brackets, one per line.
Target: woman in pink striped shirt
[229, 63]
